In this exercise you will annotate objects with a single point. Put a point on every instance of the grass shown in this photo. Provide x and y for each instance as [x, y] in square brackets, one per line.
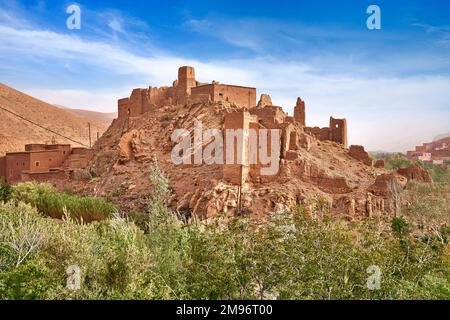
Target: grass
[48, 201]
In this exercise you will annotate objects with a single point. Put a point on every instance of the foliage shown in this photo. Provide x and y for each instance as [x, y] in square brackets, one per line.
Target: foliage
[393, 161]
[52, 203]
[303, 253]
[5, 191]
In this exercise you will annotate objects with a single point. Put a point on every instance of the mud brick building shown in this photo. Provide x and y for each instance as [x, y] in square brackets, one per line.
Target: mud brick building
[436, 152]
[43, 162]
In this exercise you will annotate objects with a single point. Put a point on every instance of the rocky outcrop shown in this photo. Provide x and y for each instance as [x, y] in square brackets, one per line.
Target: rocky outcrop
[265, 100]
[358, 153]
[415, 173]
[379, 164]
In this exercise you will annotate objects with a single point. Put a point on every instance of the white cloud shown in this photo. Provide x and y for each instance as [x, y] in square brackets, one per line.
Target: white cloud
[116, 25]
[383, 113]
[100, 101]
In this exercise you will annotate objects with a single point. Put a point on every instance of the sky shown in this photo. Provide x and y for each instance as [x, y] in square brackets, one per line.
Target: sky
[392, 84]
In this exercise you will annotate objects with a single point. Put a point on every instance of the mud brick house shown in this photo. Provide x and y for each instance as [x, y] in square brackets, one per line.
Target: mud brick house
[43, 162]
[436, 152]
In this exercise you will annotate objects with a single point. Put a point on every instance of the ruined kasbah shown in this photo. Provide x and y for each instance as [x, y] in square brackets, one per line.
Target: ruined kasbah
[223, 152]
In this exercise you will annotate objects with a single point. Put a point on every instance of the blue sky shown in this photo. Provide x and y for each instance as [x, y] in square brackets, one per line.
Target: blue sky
[393, 84]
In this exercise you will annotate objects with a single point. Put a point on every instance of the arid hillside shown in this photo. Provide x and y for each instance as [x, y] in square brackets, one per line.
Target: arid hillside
[93, 116]
[316, 170]
[16, 131]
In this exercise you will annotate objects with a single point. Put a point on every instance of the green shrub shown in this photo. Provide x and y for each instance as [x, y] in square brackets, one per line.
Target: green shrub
[296, 254]
[52, 203]
[5, 191]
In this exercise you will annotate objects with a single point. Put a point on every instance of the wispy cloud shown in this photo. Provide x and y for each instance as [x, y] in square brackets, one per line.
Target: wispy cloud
[442, 32]
[384, 111]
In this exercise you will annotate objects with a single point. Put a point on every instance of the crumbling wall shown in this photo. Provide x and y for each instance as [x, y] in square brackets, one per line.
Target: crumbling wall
[358, 153]
[300, 112]
[338, 131]
[264, 100]
[321, 134]
[47, 176]
[270, 116]
[2, 167]
[415, 173]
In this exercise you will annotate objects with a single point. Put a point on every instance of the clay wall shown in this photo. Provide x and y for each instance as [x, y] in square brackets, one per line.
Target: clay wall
[203, 90]
[35, 146]
[338, 129]
[270, 116]
[2, 167]
[122, 107]
[241, 96]
[358, 153]
[320, 133]
[64, 152]
[41, 161]
[45, 176]
[300, 112]
[15, 163]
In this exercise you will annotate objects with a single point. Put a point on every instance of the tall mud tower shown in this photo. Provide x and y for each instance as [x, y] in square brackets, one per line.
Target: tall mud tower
[186, 81]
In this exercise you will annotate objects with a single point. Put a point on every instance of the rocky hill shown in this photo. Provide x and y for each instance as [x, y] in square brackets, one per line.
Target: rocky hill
[316, 168]
[15, 132]
[318, 173]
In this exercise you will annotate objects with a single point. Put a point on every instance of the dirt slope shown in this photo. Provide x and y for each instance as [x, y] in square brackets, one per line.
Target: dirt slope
[93, 116]
[15, 132]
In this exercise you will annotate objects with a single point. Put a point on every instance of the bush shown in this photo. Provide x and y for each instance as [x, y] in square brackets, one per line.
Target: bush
[5, 191]
[52, 203]
[296, 254]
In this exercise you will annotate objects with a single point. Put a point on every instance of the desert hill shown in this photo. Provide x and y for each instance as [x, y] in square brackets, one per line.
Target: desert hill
[93, 116]
[441, 136]
[16, 132]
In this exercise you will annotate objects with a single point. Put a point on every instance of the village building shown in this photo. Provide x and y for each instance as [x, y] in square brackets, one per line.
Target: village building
[43, 162]
[436, 152]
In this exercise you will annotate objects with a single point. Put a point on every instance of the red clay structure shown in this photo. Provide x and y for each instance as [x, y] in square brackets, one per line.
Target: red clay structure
[43, 162]
[436, 152]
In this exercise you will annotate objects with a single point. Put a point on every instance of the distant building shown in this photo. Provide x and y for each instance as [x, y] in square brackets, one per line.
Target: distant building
[436, 152]
[43, 162]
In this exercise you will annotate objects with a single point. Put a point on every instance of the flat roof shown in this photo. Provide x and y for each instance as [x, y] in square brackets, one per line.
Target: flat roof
[222, 84]
[31, 151]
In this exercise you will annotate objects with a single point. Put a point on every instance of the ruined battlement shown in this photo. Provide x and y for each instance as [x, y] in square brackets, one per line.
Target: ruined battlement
[186, 88]
[337, 131]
